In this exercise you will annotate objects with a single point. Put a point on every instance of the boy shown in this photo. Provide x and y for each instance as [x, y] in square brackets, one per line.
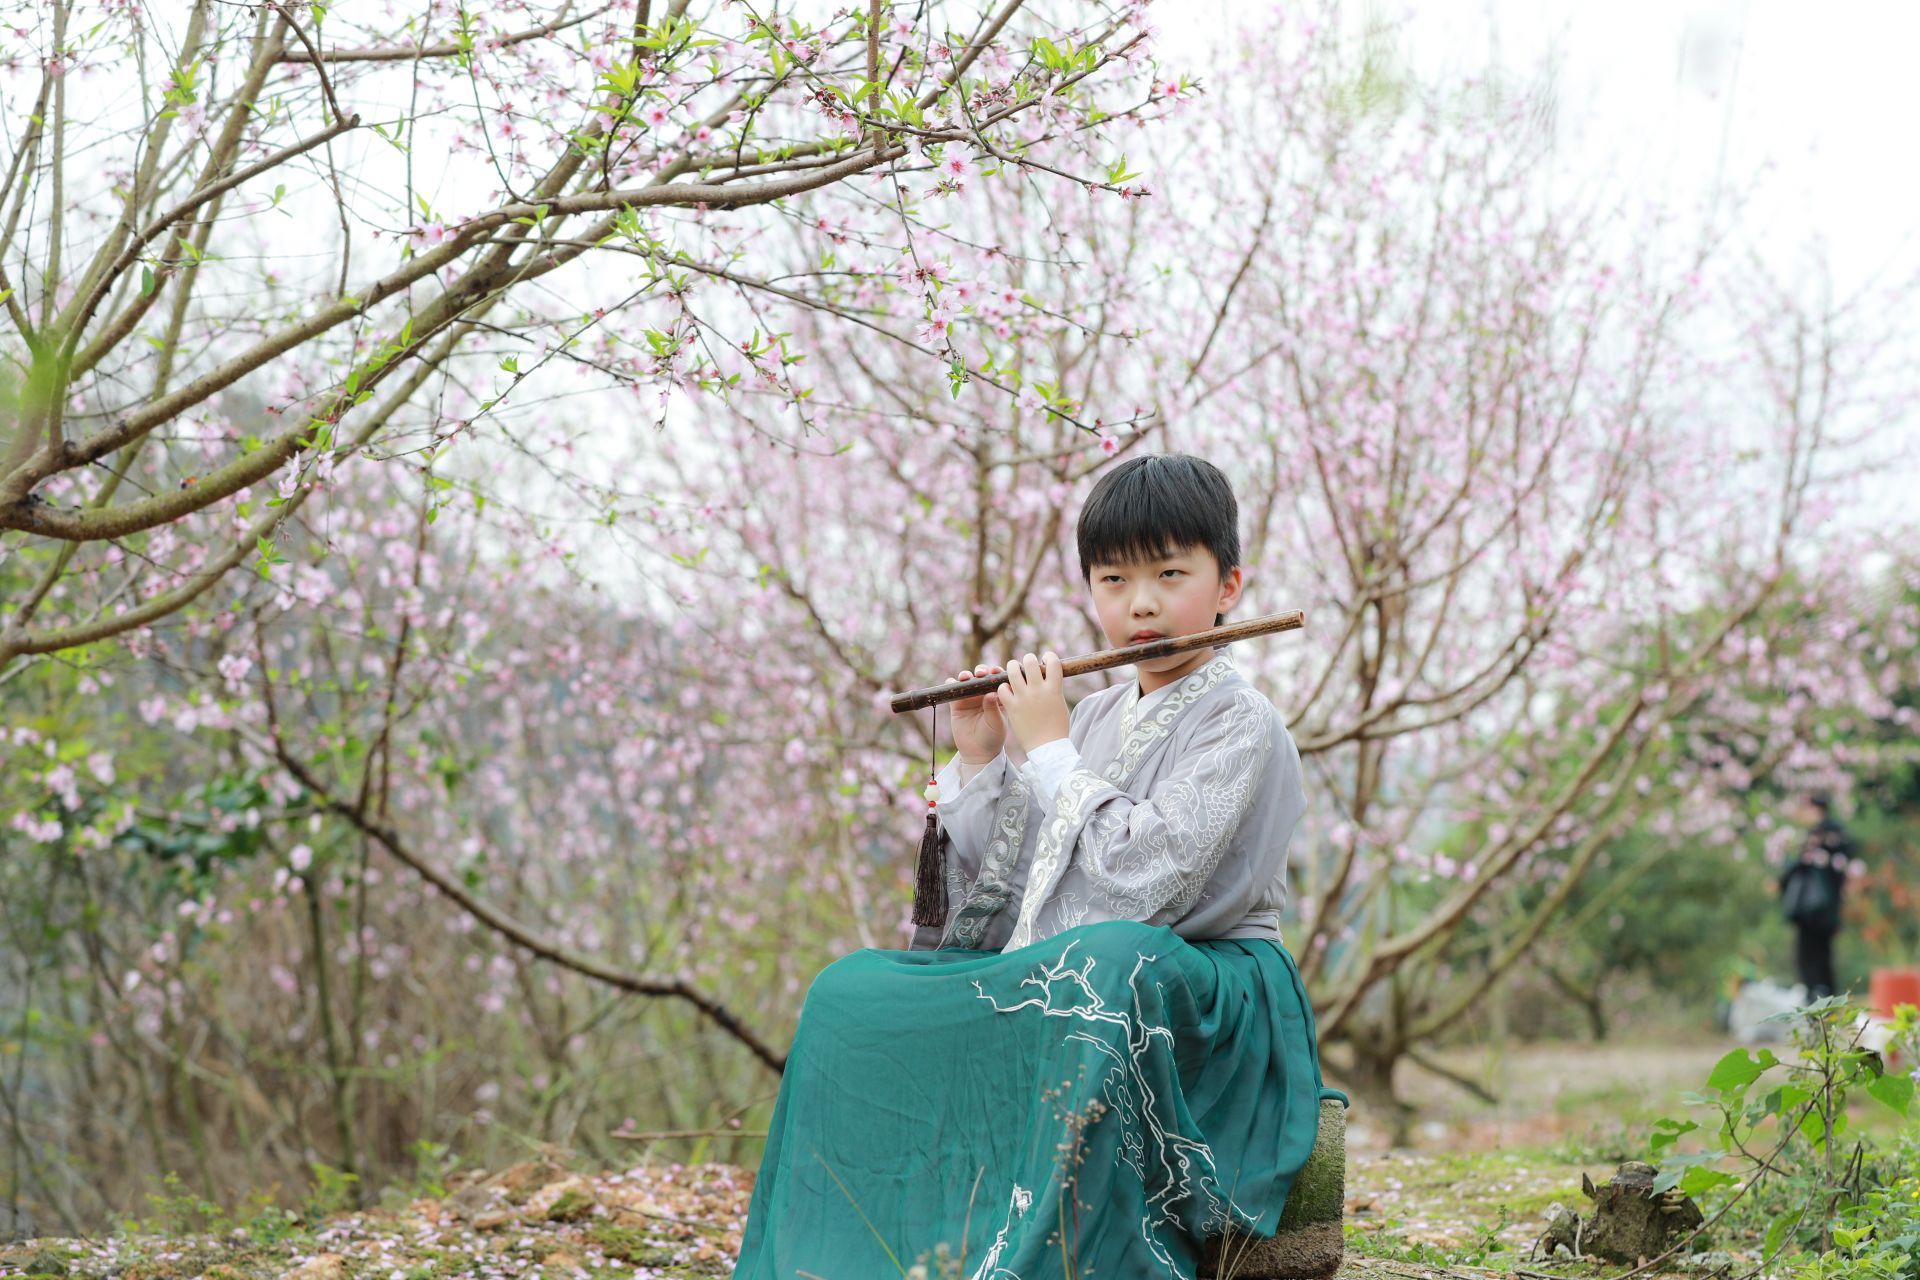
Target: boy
[1105, 1056]
[1170, 801]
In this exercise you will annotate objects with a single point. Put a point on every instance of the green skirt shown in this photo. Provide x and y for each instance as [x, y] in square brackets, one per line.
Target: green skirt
[1093, 1105]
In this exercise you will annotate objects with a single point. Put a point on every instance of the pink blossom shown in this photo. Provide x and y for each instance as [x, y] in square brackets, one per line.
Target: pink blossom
[234, 668]
[43, 830]
[61, 781]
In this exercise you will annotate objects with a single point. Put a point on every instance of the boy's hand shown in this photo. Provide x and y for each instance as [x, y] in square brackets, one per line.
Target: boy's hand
[979, 729]
[1034, 700]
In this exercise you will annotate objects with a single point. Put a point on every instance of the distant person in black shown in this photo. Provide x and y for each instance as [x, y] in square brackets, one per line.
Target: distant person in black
[1811, 889]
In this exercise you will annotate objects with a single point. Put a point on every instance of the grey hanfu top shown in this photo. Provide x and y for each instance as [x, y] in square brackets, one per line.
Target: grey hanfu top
[1174, 809]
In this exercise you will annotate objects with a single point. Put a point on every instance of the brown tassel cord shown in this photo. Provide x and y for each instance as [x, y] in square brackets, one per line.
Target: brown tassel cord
[930, 875]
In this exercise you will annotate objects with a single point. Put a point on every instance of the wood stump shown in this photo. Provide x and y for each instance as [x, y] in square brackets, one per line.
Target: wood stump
[1628, 1222]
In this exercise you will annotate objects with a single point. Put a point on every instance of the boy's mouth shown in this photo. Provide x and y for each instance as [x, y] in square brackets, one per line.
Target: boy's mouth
[1141, 637]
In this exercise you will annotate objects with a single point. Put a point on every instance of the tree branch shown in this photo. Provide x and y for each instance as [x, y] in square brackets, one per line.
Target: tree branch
[445, 49]
[517, 933]
[14, 643]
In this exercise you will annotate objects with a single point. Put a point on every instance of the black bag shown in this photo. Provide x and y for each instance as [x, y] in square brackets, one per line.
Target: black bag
[1811, 899]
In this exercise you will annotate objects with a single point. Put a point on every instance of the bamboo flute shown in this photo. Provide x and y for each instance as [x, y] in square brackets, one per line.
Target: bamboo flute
[1212, 637]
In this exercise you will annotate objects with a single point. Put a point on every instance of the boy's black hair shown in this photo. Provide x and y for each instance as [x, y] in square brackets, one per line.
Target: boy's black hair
[1155, 506]
[1821, 799]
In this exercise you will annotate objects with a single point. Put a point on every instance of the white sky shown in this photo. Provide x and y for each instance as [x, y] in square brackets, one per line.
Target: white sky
[1652, 89]
[1818, 102]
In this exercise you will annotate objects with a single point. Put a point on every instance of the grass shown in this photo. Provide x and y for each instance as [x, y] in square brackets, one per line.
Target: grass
[1474, 1197]
[1432, 1210]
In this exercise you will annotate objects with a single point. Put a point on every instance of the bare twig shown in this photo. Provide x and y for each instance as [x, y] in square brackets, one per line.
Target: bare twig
[445, 49]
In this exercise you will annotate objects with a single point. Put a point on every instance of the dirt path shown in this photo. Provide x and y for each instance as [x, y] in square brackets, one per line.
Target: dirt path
[1547, 1094]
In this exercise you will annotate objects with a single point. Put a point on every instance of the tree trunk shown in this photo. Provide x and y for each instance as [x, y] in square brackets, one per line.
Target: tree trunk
[1371, 1078]
[1587, 998]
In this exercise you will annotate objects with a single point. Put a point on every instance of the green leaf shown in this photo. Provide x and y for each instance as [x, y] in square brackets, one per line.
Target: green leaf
[1777, 1233]
[146, 281]
[1666, 1132]
[1739, 1069]
[1701, 1179]
[268, 558]
[1894, 1090]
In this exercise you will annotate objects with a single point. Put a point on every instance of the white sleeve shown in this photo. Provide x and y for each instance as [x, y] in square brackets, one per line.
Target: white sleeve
[1048, 766]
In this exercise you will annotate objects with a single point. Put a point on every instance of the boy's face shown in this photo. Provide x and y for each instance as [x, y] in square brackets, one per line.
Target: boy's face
[1176, 596]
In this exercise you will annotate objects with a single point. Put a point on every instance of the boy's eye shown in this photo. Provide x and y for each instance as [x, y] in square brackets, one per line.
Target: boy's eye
[1165, 572]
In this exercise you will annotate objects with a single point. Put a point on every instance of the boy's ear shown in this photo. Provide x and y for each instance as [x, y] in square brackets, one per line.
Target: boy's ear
[1231, 588]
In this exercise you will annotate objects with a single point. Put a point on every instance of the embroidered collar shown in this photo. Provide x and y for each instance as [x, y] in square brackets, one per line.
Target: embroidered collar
[1136, 702]
[1141, 730]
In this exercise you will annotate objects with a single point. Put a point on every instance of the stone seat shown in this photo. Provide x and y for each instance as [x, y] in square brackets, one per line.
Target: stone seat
[1310, 1241]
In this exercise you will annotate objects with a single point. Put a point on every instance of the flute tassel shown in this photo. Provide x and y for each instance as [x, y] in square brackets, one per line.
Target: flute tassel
[930, 875]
